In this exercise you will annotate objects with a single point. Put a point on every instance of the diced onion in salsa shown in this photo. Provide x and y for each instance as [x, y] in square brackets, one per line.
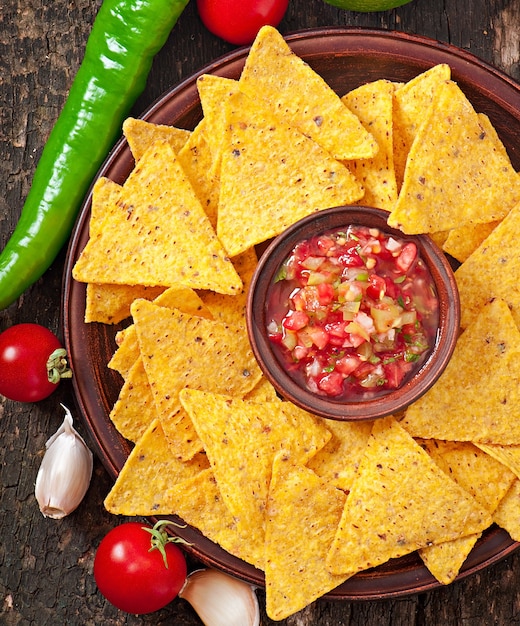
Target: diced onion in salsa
[353, 312]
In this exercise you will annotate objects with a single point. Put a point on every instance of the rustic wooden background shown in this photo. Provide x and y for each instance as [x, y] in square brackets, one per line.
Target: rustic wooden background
[46, 566]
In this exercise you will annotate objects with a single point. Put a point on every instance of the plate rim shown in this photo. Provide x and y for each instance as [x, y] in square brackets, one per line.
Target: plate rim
[355, 588]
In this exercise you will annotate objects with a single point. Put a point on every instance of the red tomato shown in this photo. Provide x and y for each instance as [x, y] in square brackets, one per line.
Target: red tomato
[133, 577]
[238, 21]
[24, 351]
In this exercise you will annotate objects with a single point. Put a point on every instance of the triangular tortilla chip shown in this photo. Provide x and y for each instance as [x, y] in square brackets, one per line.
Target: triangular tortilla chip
[180, 350]
[507, 456]
[492, 271]
[302, 98]
[338, 461]
[372, 104]
[197, 161]
[452, 162]
[213, 91]
[481, 476]
[476, 395]
[303, 512]
[140, 135]
[150, 470]
[199, 503]
[134, 408]
[271, 176]
[507, 514]
[241, 439]
[411, 102]
[388, 514]
[157, 233]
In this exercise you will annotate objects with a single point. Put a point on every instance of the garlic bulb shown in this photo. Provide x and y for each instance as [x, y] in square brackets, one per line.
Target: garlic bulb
[65, 472]
[221, 600]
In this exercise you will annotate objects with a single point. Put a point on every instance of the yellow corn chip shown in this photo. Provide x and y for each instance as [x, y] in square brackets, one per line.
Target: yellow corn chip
[213, 91]
[241, 439]
[180, 350]
[150, 470]
[339, 460]
[387, 514]
[474, 398]
[275, 174]
[507, 456]
[507, 514]
[372, 104]
[411, 102]
[199, 503]
[452, 162]
[140, 135]
[181, 435]
[183, 298]
[492, 271]
[157, 234]
[232, 309]
[134, 408]
[197, 161]
[481, 476]
[462, 242]
[303, 512]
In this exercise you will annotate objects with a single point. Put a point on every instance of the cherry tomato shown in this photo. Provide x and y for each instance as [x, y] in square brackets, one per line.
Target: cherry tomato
[131, 572]
[24, 352]
[238, 21]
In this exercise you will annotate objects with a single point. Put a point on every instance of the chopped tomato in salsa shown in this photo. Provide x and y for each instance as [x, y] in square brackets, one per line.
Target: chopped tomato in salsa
[353, 312]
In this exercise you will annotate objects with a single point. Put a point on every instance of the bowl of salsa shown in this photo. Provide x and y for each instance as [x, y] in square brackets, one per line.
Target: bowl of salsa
[349, 318]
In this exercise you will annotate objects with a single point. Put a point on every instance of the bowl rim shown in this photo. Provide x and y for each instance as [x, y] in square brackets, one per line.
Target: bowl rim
[366, 409]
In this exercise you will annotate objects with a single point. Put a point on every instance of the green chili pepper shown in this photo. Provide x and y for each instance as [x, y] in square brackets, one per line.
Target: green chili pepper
[125, 37]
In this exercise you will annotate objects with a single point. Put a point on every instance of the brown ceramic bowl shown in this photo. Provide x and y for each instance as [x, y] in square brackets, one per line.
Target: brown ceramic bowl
[372, 405]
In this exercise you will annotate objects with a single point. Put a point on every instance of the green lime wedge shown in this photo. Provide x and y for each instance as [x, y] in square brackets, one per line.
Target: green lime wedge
[366, 6]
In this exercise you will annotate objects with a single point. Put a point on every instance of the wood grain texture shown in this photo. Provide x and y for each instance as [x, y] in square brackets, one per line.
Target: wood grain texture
[46, 566]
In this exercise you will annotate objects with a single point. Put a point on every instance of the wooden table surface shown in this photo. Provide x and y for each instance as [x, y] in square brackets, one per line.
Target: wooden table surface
[46, 565]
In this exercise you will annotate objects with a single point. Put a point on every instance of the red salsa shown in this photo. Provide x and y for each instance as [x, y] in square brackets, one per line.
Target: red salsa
[353, 312]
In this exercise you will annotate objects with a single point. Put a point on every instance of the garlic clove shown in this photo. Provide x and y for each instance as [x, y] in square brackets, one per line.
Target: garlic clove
[65, 472]
[221, 600]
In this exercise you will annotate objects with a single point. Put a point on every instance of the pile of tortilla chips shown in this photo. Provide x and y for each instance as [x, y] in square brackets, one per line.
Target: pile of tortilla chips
[310, 502]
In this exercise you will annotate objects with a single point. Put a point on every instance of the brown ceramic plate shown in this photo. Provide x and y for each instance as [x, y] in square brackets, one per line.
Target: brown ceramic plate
[345, 58]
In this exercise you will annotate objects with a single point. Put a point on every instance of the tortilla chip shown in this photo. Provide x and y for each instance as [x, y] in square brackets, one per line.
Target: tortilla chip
[181, 435]
[197, 161]
[110, 304]
[386, 514]
[474, 398]
[507, 514]
[232, 309]
[411, 103]
[452, 162]
[462, 242]
[199, 503]
[134, 409]
[150, 470]
[271, 176]
[183, 298]
[481, 476]
[213, 91]
[140, 135]
[301, 98]
[135, 244]
[262, 392]
[241, 439]
[180, 350]
[492, 271]
[507, 456]
[372, 104]
[303, 512]
[338, 461]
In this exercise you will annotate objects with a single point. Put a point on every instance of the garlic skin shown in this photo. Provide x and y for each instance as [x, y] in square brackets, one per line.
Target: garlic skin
[65, 472]
[221, 600]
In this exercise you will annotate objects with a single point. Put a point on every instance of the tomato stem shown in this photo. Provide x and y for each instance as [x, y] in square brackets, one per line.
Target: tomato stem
[160, 537]
[57, 366]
